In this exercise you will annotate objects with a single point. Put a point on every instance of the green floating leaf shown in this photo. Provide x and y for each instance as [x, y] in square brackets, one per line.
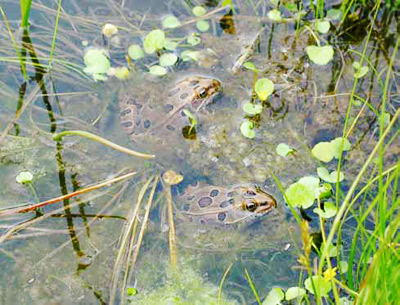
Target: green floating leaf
[247, 129]
[121, 73]
[334, 14]
[320, 55]
[264, 88]
[274, 297]
[328, 211]
[335, 146]
[203, 25]
[189, 55]
[323, 151]
[199, 11]
[322, 287]
[325, 191]
[193, 40]
[135, 52]
[96, 61]
[304, 192]
[275, 15]
[359, 71]
[131, 291]
[251, 109]
[344, 266]
[324, 174]
[157, 70]
[24, 177]
[250, 66]
[283, 149]
[332, 249]
[171, 22]
[170, 45]
[294, 292]
[155, 40]
[168, 59]
[323, 26]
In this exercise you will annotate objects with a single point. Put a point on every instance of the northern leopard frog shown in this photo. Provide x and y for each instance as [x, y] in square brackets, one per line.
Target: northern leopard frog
[162, 120]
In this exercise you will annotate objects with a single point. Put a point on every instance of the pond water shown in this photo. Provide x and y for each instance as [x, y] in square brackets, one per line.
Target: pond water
[81, 249]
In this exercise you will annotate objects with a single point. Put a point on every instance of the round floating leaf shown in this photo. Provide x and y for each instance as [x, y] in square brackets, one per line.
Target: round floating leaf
[96, 61]
[24, 177]
[264, 88]
[283, 149]
[334, 14]
[344, 266]
[322, 287]
[336, 144]
[131, 291]
[193, 40]
[189, 55]
[109, 30]
[324, 174]
[323, 151]
[203, 25]
[121, 73]
[274, 15]
[155, 40]
[171, 22]
[304, 192]
[320, 55]
[250, 66]
[158, 70]
[274, 297]
[294, 292]
[359, 71]
[135, 52]
[328, 211]
[332, 249]
[323, 27]
[168, 59]
[247, 129]
[325, 191]
[170, 45]
[251, 109]
[199, 11]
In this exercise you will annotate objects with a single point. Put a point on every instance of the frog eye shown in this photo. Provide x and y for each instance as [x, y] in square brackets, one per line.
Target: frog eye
[251, 206]
[203, 93]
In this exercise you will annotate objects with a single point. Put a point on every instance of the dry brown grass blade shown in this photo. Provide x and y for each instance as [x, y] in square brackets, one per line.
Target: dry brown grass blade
[130, 229]
[61, 198]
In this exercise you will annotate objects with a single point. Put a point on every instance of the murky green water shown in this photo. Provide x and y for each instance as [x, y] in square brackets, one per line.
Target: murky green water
[66, 253]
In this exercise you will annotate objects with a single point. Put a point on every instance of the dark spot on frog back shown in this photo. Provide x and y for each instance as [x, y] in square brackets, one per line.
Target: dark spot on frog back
[204, 202]
[221, 216]
[174, 91]
[226, 203]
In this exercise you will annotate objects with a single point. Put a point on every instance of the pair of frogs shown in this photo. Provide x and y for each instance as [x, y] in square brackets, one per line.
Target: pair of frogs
[162, 121]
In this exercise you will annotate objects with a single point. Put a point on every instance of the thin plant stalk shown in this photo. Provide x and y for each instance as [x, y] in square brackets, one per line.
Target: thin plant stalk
[53, 44]
[172, 234]
[61, 198]
[253, 288]
[129, 229]
[138, 242]
[93, 137]
[25, 11]
[222, 282]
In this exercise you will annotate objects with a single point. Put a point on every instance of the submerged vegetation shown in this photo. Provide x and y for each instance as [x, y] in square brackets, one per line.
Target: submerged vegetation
[309, 112]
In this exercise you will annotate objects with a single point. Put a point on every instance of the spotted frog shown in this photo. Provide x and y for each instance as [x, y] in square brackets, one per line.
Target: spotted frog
[160, 120]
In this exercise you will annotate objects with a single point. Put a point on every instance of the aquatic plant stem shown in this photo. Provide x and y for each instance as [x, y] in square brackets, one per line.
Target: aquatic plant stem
[61, 198]
[25, 11]
[251, 284]
[21, 60]
[222, 282]
[172, 234]
[53, 44]
[85, 134]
